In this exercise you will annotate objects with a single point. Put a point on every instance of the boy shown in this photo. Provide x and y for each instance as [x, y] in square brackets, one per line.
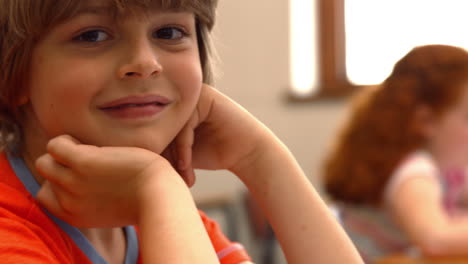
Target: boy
[103, 88]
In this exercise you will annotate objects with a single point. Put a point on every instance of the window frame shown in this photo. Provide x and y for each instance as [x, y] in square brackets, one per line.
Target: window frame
[332, 81]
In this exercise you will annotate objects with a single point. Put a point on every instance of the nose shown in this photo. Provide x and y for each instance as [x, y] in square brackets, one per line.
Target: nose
[140, 61]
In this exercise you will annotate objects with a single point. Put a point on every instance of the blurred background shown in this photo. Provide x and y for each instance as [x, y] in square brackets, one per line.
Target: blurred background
[294, 64]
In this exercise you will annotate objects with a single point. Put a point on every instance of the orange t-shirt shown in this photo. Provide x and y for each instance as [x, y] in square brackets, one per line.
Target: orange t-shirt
[30, 235]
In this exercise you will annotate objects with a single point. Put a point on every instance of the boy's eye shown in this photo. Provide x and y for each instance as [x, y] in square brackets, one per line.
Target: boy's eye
[92, 36]
[169, 33]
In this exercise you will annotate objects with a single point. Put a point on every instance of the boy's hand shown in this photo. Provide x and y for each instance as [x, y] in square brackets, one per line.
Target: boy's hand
[90, 186]
[226, 136]
[220, 135]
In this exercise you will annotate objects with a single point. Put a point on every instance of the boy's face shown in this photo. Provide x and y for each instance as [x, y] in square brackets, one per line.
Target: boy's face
[130, 80]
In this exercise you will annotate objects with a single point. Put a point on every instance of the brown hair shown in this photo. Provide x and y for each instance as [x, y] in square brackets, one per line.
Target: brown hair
[381, 131]
[22, 22]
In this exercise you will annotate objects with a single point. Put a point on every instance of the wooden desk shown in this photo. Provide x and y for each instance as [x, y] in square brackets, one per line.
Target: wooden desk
[422, 260]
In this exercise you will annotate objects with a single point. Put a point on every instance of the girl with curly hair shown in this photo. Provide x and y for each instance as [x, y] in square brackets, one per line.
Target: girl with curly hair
[403, 154]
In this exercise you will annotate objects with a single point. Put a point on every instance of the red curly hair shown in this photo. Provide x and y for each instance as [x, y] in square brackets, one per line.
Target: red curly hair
[381, 130]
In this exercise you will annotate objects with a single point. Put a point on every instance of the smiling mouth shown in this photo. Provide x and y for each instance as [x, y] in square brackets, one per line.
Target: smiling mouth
[136, 107]
[123, 106]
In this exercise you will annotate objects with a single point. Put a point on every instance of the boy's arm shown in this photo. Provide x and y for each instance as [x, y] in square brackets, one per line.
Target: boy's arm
[228, 137]
[171, 224]
[301, 221]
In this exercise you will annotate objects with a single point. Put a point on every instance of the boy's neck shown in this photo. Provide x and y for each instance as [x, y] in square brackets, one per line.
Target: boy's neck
[30, 160]
[110, 243]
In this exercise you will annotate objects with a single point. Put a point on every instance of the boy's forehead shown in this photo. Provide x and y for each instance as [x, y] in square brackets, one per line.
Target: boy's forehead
[122, 5]
[125, 7]
[95, 7]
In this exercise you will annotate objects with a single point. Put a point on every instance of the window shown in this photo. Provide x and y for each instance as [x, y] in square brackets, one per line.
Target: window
[358, 41]
[303, 55]
[378, 33]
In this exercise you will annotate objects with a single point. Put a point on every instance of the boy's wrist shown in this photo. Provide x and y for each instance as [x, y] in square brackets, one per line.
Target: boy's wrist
[265, 155]
[159, 189]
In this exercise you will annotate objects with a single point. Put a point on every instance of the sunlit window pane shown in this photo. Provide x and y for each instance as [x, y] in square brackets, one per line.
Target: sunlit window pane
[379, 32]
[303, 46]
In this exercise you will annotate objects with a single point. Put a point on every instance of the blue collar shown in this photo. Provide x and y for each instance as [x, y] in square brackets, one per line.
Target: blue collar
[26, 177]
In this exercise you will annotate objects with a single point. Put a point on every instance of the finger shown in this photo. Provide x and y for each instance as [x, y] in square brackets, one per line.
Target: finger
[170, 154]
[189, 176]
[66, 206]
[184, 143]
[205, 103]
[55, 172]
[65, 149]
[47, 198]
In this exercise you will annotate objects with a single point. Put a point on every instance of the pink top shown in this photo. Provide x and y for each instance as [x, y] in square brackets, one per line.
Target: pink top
[374, 232]
[420, 164]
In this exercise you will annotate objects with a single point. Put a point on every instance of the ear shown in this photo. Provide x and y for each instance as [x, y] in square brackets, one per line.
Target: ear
[424, 120]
